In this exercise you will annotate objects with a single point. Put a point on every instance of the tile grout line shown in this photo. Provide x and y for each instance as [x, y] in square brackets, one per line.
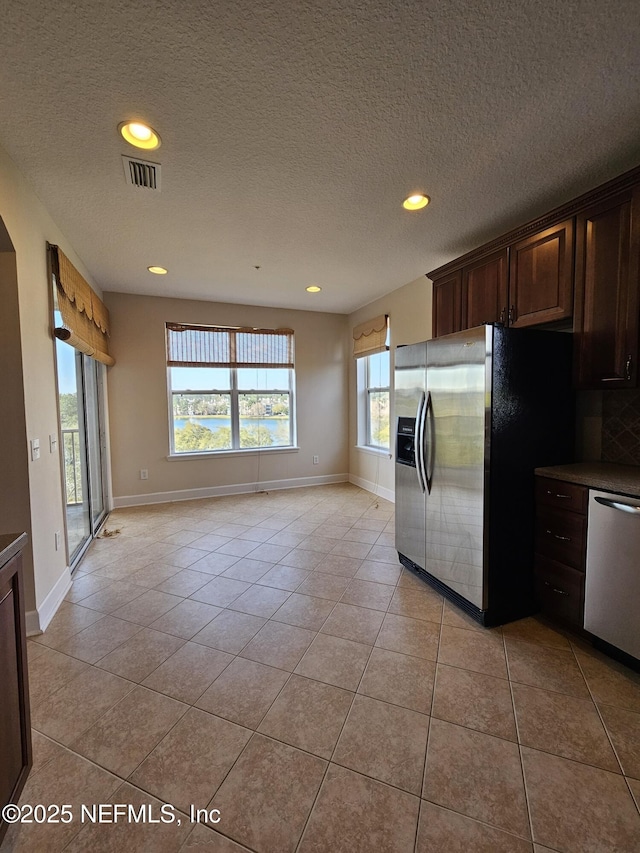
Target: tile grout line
[355, 694]
[344, 722]
[426, 751]
[606, 730]
[290, 673]
[519, 744]
[423, 798]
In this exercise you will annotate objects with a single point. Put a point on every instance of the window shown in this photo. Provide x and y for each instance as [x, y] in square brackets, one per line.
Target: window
[371, 349]
[229, 389]
[376, 385]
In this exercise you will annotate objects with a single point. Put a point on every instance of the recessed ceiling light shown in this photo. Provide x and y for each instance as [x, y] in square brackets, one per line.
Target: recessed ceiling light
[416, 202]
[139, 134]
[313, 288]
[157, 270]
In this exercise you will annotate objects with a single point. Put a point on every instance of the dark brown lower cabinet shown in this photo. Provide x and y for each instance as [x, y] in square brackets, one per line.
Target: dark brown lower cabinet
[560, 550]
[560, 591]
[15, 724]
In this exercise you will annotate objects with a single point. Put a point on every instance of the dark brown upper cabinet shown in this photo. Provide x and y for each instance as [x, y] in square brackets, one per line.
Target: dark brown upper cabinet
[607, 285]
[589, 247]
[484, 290]
[447, 304]
[541, 277]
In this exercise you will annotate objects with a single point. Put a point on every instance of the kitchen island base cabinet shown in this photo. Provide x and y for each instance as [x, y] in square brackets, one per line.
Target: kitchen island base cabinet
[15, 726]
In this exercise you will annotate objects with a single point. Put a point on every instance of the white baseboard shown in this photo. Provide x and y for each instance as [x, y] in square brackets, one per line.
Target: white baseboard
[221, 491]
[387, 494]
[37, 620]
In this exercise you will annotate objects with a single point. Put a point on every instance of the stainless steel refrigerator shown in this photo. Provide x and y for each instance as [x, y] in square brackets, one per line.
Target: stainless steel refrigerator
[476, 412]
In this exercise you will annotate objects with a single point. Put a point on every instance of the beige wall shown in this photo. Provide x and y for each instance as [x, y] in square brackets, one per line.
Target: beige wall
[29, 227]
[15, 514]
[138, 407]
[409, 310]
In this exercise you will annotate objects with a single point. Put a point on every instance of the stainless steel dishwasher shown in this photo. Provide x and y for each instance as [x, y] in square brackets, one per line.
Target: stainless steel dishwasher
[612, 587]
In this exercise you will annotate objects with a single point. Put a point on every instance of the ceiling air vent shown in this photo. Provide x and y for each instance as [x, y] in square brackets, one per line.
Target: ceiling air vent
[141, 173]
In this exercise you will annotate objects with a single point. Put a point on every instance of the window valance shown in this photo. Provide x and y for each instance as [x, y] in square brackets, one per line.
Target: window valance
[85, 318]
[221, 346]
[371, 337]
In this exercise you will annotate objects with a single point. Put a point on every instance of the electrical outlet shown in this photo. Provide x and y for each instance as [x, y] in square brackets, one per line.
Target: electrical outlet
[144, 474]
[58, 540]
[316, 460]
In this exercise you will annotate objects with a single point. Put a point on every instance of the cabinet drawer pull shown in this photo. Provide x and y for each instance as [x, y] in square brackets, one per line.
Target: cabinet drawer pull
[561, 538]
[555, 589]
[558, 495]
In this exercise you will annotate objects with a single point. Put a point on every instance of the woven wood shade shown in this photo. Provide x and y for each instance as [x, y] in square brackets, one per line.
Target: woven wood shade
[85, 318]
[220, 346]
[370, 337]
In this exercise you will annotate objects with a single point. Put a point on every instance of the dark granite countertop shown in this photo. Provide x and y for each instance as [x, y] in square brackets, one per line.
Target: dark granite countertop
[605, 476]
[10, 544]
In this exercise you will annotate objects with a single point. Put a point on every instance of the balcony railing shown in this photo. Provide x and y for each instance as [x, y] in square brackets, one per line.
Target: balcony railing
[72, 466]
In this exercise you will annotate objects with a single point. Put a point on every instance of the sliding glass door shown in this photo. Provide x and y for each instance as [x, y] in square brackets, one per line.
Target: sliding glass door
[93, 372]
[82, 435]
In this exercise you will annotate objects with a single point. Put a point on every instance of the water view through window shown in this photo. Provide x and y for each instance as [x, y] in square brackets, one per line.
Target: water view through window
[251, 404]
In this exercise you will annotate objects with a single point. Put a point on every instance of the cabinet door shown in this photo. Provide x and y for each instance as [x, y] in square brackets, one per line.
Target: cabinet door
[447, 304]
[541, 277]
[560, 591]
[11, 757]
[606, 322]
[15, 727]
[484, 291]
[561, 536]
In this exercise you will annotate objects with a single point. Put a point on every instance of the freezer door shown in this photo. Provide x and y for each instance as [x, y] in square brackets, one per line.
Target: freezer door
[458, 381]
[409, 401]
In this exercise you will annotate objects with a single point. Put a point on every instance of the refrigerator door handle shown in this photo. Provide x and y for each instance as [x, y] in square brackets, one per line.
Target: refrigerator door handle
[417, 442]
[429, 453]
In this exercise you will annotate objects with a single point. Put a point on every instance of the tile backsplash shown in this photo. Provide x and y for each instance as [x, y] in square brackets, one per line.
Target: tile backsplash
[621, 427]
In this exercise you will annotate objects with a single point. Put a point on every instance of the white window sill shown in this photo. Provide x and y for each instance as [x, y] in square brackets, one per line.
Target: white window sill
[179, 457]
[374, 451]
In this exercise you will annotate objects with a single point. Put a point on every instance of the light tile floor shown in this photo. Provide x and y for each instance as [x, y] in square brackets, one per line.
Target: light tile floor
[266, 655]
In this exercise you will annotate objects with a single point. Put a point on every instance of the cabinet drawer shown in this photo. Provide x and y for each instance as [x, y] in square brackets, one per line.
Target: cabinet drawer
[558, 493]
[561, 536]
[559, 590]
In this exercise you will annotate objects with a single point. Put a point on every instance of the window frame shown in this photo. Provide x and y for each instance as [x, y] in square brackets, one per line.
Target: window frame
[375, 389]
[234, 393]
[365, 390]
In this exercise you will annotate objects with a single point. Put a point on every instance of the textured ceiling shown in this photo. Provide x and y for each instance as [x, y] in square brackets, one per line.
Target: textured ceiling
[293, 130]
